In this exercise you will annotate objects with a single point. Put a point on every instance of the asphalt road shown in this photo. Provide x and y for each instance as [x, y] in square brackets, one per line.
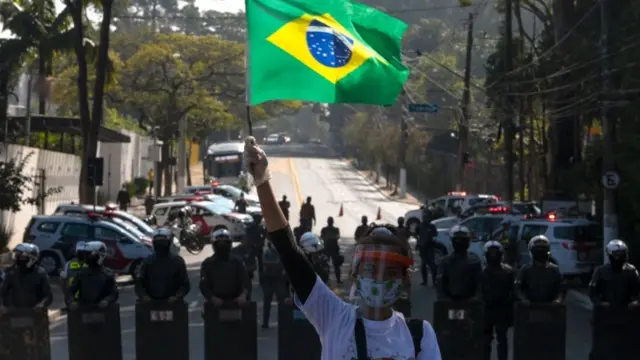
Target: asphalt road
[300, 171]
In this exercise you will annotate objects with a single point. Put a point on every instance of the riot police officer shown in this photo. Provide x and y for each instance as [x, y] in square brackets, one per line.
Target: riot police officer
[331, 235]
[362, 229]
[459, 272]
[616, 284]
[223, 277]
[95, 285]
[498, 297]
[163, 275]
[72, 268]
[313, 247]
[25, 285]
[541, 281]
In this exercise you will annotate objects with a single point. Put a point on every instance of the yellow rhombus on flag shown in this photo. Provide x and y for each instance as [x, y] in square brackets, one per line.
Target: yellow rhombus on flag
[332, 51]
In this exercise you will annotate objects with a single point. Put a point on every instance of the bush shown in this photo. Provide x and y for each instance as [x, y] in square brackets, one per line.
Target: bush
[142, 185]
[131, 189]
[5, 237]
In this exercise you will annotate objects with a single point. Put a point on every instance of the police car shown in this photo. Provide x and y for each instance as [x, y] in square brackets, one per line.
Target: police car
[57, 235]
[106, 211]
[217, 199]
[448, 203]
[233, 193]
[576, 243]
[481, 227]
[208, 215]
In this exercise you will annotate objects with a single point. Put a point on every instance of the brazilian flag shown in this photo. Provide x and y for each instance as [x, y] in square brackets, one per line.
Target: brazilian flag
[328, 51]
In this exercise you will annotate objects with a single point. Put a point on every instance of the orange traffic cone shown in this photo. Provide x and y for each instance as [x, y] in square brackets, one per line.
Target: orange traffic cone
[341, 212]
[379, 216]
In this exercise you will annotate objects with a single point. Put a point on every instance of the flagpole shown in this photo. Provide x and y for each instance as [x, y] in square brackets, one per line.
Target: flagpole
[247, 86]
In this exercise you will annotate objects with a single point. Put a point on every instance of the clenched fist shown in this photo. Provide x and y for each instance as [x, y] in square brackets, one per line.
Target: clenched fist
[255, 161]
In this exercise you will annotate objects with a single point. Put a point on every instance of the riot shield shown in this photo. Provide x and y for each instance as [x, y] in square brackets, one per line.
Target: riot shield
[537, 324]
[459, 328]
[230, 332]
[94, 333]
[162, 330]
[615, 333]
[24, 335]
[296, 335]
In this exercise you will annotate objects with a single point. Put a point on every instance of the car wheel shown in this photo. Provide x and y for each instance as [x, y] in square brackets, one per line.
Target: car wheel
[438, 254]
[413, 225]
[50, 262]
[135, 268]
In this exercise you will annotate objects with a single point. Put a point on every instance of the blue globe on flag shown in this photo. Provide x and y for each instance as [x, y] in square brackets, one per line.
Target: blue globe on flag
[328, 46]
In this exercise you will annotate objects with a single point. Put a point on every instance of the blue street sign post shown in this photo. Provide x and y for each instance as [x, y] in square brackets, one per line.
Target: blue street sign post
[424, 108]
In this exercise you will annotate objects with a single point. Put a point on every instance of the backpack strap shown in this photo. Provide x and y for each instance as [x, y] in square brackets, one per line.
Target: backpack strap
[416, 328]
[360, 337]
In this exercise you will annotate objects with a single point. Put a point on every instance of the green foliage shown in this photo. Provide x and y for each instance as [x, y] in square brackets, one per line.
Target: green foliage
[142, 185]
[15, 185]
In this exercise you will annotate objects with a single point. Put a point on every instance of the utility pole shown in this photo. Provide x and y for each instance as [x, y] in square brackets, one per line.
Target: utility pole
[508, 118]
[610, 228]
[404, 142]
[463, 125]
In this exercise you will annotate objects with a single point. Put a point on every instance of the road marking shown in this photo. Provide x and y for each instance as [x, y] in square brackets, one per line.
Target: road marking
[296, 182]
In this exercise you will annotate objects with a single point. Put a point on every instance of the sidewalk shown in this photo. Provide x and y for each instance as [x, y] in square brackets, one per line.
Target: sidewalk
[412, 197]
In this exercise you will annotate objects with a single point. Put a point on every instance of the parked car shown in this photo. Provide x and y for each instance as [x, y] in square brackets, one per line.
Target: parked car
[57, 235]
[233, 193]
[68, 209]
[208, 215]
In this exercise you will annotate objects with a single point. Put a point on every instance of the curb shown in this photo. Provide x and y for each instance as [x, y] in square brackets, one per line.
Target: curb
[372, 183]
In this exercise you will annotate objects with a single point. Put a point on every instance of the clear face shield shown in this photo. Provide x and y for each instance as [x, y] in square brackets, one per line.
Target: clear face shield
[379, 275]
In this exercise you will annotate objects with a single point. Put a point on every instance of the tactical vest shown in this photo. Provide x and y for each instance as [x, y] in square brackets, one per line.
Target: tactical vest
[73, 269]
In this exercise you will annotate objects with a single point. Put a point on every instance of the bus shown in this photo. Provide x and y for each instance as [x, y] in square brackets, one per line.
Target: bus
[224, 162]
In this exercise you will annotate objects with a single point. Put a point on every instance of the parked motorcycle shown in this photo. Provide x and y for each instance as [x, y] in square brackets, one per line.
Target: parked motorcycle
[189, 238]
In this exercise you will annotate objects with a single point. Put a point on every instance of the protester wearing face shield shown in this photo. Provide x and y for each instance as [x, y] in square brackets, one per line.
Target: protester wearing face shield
[540, 281]
[382, 267]
[223, 277]
[498, 297]
[163, 275]
[616, 284]
[459, 273]
[25, 285]
[95, 285]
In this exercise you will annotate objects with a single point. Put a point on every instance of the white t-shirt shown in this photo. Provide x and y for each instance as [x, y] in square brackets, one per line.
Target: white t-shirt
[335, 319]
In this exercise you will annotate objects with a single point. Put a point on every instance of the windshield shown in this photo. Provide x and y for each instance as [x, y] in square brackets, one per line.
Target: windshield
[216, 208]
[229, 165]
[132, 229]
[222, 201]
[141, 225]
[235, 192]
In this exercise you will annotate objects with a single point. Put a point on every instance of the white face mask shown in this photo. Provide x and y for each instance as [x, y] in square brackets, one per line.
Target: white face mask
[378, 293]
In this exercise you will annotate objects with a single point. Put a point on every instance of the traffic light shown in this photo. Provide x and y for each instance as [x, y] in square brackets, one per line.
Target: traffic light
[95, 171]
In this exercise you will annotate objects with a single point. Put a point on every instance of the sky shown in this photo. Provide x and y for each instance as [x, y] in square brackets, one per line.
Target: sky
[218, 5]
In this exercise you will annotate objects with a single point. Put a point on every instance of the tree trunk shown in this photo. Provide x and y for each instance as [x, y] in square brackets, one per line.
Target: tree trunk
[166, 169]
[85, 193]
[42, 75]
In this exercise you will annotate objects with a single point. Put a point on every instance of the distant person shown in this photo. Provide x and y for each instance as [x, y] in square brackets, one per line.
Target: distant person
[362, 229]
[298, 231]
[151, 176]
[402, 231]
[149, 201]
[330, 235]
[123, 199]
[241, 205]
[308, 211]
[284, 206]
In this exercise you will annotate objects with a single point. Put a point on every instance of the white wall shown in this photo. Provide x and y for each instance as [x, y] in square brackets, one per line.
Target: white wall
[124, 161]
[61, 170]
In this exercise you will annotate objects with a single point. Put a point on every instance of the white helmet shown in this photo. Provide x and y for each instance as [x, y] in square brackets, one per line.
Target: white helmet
[492, 245]
[539, 241]
[311, 243]
[220, 234]
[96, 248]
[80, 246]
[29, 251]
[616, 246]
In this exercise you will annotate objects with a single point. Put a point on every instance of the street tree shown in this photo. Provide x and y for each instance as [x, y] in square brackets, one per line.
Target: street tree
[177, 77]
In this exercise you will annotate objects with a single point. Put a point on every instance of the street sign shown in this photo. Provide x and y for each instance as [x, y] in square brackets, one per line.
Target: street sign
[610, 180]
[424, 108]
